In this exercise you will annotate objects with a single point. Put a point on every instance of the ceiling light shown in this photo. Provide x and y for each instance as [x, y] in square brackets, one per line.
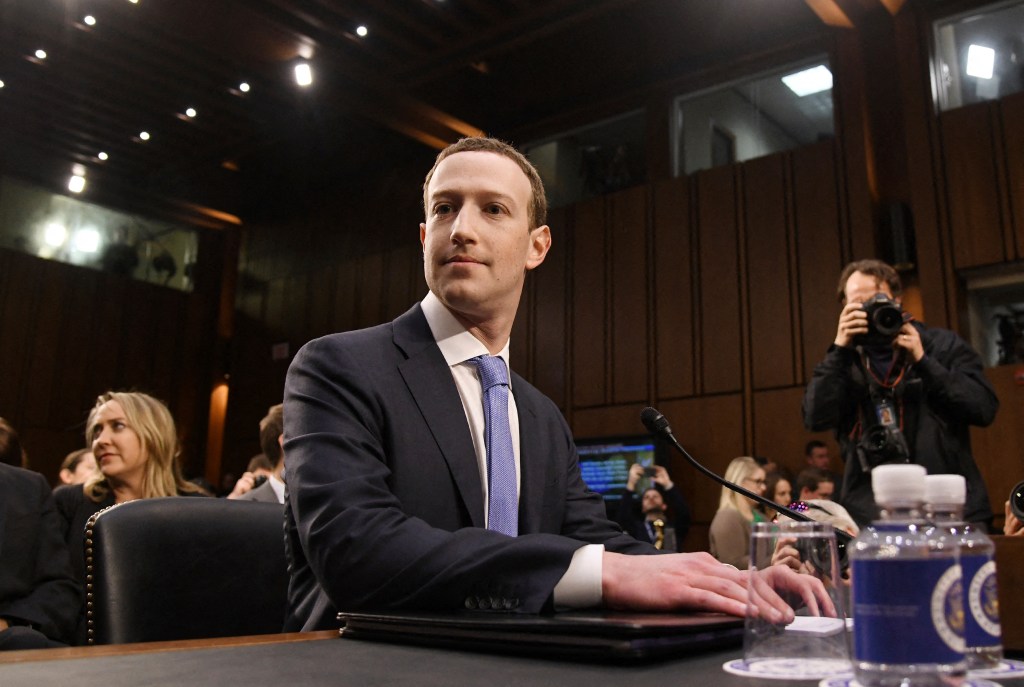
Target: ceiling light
[87, 240]
[1, 83]
[190, 112]
[41, 54]
[808, 81]
[102, 156]
[55, 234]
[90, 20]
[134, 2]
[303, 74]
[361, 31]
[144, 135]
[243, 87]
[76, 184]
[980, 61]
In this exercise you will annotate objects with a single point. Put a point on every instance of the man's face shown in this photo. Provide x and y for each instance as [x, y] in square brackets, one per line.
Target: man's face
[477, 242]
[860, 287]
[824, 491]
[652, 502]
[819, 458]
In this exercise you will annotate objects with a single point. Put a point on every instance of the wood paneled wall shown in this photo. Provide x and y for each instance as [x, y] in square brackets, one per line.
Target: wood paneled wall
[71, 333]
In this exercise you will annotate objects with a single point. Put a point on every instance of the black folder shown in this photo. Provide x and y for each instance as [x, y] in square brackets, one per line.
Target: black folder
[579, 635]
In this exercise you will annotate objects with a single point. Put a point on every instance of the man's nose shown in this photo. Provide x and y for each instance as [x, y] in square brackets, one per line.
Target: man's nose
[463, 227]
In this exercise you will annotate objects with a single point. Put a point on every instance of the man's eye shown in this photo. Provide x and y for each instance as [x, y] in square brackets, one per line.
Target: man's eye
[493, 209]
[442, 209]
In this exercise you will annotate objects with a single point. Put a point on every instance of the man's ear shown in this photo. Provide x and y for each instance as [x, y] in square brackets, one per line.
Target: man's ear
[540, 244]
[423, 233]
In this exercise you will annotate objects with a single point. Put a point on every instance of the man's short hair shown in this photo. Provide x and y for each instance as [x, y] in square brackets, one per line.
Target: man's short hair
[873, 268]
[813, 444]
[538, 202]
[809, 479]
[259, 462]
[271, 428]
[11, 451]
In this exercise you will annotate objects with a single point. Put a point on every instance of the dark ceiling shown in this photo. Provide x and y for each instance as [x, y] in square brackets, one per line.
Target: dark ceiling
[427, 72]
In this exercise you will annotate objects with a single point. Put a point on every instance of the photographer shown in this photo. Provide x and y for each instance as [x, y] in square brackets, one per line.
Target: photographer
[895, 391]
[642, 521]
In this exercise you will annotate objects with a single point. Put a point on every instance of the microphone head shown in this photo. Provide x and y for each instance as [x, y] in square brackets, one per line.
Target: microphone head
[655, 422]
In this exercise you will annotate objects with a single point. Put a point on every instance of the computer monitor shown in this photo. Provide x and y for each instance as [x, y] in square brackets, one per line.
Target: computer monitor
[605, 462]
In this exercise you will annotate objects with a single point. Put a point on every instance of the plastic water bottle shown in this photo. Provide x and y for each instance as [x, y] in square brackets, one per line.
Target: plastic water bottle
[945, 496]
[907, 597]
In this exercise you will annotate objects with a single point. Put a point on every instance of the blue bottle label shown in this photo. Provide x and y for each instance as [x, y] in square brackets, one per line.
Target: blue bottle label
[982, 628]
[907, 611]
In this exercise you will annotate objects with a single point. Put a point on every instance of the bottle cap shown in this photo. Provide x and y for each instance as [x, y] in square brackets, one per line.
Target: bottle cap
[903, 482]
[945, 489]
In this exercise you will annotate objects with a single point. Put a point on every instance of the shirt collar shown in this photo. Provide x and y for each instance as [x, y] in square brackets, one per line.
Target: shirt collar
[456, 343]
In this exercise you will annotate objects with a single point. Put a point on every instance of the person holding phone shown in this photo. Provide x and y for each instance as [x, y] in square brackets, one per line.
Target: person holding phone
[656, 504]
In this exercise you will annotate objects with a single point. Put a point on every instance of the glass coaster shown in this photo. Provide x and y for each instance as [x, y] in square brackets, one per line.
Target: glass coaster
[788, 668]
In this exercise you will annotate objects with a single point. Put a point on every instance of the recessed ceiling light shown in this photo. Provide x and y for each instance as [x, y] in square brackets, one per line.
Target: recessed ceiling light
[102, 156]
[41, 54]
[303, 74]
[90, 20]
[144, 135]
[76, 184]
[808, 81]
[244, 87]
[980, 61]
[134, 2]
[190, 112]
[1, 83]
[362, 31]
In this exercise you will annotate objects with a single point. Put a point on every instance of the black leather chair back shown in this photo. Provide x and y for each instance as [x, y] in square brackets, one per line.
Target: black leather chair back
[185, 568]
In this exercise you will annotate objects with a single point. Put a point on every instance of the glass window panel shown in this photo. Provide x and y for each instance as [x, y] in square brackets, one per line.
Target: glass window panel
[57, 227]
[761, 115]
[979, 55]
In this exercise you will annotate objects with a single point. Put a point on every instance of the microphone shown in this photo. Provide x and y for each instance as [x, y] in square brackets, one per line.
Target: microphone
[657, 424]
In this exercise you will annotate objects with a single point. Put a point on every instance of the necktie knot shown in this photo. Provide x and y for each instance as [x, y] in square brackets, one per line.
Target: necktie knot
[492, 371]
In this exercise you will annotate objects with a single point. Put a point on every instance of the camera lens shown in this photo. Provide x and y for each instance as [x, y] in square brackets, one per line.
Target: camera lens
[888, 320]
[1017, 501]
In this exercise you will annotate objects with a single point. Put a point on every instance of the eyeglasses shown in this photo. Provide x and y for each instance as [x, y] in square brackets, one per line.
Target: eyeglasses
[759, 482]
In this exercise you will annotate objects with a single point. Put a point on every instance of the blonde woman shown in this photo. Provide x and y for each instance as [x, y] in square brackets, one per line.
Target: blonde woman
[133, 438]
[730, 529]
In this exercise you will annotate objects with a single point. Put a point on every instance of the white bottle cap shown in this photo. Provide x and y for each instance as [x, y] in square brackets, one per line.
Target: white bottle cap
[903, 482]
[945, 489]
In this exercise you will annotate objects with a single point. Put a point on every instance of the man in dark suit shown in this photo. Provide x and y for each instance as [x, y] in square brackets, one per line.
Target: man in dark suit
[388, 491]
[39, 598]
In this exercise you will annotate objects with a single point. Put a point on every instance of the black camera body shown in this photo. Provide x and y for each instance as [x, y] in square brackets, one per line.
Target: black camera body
[882, 445]
[885, 319]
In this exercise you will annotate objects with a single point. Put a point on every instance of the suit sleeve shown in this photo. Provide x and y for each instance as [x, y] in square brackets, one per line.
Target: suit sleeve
[51, 599]
[365, 550]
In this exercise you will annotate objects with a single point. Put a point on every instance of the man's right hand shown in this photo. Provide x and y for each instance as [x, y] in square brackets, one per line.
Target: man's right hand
[696, 581]
[853, 321]
[243, 486]
[636, 471]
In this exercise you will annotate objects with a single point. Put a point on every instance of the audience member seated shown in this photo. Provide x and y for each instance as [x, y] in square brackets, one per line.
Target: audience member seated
[78, 466]
[730, 528]
[39, 598]
[271, 441]
[817, 455]
[648, 521]
[814, 483]
[136, 446]
[11, 452]
[256, 473]
[777, 488]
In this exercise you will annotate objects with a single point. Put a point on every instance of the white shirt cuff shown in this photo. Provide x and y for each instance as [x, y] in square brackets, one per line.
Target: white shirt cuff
[580, 586]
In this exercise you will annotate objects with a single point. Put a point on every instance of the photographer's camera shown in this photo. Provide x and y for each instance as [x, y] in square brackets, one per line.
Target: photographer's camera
[885, 318]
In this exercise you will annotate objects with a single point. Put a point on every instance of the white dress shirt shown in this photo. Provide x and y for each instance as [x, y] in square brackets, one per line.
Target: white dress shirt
[580, 586]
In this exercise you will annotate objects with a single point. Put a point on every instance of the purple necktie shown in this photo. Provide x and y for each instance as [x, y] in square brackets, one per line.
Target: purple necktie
[503, 502]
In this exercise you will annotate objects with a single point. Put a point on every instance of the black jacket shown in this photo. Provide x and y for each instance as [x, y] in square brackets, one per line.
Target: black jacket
[938, 399]
[634, 523]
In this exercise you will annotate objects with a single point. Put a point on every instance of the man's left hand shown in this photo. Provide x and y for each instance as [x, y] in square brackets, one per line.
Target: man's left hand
[661, 477]
[909, 339]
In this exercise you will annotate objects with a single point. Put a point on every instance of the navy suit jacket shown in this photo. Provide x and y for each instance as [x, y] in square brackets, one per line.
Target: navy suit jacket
[37, 585]
[385, 508]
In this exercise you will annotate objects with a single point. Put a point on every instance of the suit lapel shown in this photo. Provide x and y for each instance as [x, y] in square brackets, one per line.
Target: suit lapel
[533, 462]
[430, 383]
